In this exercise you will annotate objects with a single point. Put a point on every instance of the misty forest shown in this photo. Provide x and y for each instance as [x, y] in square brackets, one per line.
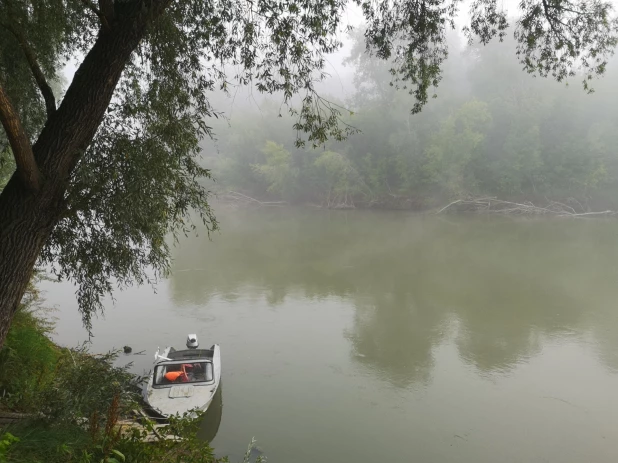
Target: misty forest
[491, 131]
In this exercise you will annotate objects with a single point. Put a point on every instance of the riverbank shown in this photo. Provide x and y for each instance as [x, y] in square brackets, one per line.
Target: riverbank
[517, 206]
[71, 403]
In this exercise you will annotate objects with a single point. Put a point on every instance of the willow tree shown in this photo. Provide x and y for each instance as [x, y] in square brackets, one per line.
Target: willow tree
[106, 171]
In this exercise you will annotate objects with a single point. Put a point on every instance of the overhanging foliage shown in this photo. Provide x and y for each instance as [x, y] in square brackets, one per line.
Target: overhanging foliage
[122, 175]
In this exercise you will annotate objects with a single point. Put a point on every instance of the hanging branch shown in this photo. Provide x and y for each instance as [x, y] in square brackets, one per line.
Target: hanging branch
[20, 145]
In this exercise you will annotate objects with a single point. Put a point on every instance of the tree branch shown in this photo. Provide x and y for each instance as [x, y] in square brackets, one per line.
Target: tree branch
[39, 77]
[91, 6]
[68, 133]
[22, 150]
[549, 17]
[107, 8]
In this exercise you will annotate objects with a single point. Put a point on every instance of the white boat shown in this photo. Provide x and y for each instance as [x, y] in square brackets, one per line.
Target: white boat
[183, 380]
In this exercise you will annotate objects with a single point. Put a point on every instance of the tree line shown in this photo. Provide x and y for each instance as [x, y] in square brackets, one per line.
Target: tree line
[491, 131]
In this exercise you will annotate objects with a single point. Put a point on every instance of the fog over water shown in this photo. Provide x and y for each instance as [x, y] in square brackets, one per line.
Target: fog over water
[361, 335]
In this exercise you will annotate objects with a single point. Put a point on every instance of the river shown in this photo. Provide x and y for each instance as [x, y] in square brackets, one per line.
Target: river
[386, 336]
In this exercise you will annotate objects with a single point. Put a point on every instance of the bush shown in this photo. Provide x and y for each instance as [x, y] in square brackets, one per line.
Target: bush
[29, 358]
[85, 384]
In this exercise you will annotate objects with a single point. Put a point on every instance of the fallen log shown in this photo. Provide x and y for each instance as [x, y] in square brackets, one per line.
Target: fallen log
[236, 197]
[491, 205]
[10, 417]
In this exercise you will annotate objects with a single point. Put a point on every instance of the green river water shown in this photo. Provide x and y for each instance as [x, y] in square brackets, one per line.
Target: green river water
[386, 336]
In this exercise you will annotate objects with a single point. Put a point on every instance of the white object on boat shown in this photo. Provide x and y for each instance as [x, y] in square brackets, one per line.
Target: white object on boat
[157, 356]
[183, 380]
[192, 341]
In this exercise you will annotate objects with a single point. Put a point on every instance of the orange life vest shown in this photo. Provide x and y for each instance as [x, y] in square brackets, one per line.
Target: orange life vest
[173, 375]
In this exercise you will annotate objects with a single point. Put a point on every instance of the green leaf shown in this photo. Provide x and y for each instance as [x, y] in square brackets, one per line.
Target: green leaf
[118, 454]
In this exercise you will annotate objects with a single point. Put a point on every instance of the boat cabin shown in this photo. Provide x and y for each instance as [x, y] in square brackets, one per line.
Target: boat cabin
[183, 367]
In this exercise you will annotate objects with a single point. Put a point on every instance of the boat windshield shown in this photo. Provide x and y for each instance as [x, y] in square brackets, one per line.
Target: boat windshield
[175, 373]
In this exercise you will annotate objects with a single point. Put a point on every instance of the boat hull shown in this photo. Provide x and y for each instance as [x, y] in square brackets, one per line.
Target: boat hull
[183, 398]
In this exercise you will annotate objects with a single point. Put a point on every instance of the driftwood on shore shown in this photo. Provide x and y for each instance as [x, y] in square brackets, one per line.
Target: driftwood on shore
[242, 199]
[497, 206]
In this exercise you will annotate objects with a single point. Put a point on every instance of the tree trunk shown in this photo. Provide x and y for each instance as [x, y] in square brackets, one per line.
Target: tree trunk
[27, 218]
[26, 221]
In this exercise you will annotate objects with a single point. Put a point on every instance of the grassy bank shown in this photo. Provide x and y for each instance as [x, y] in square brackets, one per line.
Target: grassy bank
[75, 401]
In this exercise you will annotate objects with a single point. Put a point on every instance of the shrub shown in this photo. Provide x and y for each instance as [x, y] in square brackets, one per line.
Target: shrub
[28, 358]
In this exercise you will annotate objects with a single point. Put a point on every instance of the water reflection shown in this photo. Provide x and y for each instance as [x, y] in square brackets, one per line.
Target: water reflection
[212, 418]
[395, 336]
[505, 285]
